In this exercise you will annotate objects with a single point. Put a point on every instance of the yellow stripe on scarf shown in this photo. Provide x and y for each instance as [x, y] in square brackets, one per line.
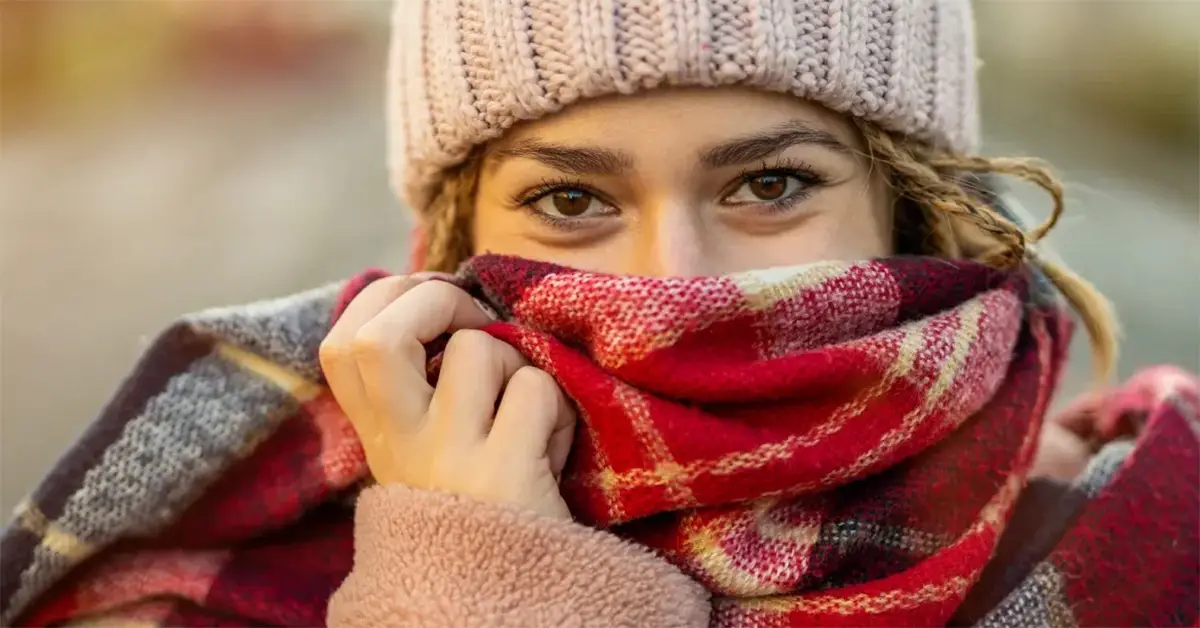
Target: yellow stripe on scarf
[286, 379]
[53, 538]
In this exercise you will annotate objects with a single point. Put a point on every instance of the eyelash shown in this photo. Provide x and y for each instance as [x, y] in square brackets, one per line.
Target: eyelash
[526, 199]
[783, 167]
[550, 186]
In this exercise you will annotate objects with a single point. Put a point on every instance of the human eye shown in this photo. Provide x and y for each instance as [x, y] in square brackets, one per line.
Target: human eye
[777, 188]
[565, 204]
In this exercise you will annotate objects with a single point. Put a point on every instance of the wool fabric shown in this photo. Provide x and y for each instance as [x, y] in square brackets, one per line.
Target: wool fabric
[841, 444]
[464, 71]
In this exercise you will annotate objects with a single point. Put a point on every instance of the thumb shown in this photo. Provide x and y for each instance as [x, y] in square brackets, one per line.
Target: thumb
[559, 447]
[535, 420]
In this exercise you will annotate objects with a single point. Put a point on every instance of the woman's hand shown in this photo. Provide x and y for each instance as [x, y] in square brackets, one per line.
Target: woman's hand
[1062, 453]
[1071, 437]
[495, 428]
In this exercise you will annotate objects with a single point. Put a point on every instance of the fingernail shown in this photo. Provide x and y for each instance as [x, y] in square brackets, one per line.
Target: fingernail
[427, 275]
[487, 309]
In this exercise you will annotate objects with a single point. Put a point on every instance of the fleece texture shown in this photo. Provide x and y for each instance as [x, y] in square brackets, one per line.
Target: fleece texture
[436, 560]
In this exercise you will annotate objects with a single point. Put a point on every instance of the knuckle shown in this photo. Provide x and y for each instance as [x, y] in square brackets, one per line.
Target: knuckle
[391, 287]
[443, 293]
[534, 380]
[441, 288]
[468, 342]
[367, 344]
[332, 353]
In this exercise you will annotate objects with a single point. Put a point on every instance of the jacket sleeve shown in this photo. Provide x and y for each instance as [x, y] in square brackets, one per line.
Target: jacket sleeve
[431, 559]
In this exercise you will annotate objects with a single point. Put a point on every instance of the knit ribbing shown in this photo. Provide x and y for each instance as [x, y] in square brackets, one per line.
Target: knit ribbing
[463, 71]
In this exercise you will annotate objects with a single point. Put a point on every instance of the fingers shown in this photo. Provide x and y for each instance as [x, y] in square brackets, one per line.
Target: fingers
[1081, 416]
[374, 357]
[370, 302]
[535, 419]
[337, 353]
[1061, 454]
[559, 448]
[475, 370]
[390, 348]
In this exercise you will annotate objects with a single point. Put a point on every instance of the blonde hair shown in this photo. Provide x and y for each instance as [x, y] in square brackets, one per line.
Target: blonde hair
[940, 212]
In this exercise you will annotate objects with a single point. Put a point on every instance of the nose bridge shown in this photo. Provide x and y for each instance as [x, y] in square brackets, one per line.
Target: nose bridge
[672, 241]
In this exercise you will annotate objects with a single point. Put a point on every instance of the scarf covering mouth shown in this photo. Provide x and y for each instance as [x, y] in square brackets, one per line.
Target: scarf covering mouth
[833, 444]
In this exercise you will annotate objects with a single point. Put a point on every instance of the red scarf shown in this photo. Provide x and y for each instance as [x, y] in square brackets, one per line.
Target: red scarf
[830, 444]
[837, 444]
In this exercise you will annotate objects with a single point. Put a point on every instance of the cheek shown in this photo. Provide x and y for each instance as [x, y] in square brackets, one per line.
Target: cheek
[843, 225]
[496, 230]
[483, 233]
[858, 222]
[866, 230]
[505, 232]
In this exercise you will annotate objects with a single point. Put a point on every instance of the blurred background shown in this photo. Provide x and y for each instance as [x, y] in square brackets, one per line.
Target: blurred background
[163, 156]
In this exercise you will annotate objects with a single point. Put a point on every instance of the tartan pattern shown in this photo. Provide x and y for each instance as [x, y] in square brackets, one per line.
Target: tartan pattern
[835, 444]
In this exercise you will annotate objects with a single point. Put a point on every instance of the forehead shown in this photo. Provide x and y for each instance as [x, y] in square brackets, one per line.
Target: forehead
[667, 123]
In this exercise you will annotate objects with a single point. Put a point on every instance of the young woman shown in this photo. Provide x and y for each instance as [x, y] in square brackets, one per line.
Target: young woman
[666, 145]
[661, 139]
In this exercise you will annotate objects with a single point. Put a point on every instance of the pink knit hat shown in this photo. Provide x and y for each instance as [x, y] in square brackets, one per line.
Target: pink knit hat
[463, 71]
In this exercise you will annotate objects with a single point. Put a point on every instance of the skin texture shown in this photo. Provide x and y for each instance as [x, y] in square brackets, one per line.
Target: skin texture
[667, 183]
[454, 438]
[681, 183]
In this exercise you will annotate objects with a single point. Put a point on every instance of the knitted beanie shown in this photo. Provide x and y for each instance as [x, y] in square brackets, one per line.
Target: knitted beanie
[463, 71]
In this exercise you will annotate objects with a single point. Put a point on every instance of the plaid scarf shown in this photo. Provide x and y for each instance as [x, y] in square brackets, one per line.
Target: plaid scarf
[834, 444]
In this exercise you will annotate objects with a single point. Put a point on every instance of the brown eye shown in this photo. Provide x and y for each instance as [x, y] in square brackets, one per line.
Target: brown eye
[768, 187]
[571, 203]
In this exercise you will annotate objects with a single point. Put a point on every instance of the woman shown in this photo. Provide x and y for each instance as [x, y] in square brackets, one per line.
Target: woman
[690, 142]
[665, 143]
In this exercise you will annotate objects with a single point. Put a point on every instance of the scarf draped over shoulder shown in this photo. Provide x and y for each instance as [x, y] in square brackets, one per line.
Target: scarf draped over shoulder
[831, 444]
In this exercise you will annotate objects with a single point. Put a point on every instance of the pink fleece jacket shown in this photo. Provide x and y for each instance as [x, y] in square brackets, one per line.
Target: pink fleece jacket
[431, 559]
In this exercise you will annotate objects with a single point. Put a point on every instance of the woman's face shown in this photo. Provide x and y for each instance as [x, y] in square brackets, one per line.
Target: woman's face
[683, 183]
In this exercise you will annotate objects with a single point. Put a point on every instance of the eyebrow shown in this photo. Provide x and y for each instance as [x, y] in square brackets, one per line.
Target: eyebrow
[771, 142]
[582, 161]
[575, 160]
